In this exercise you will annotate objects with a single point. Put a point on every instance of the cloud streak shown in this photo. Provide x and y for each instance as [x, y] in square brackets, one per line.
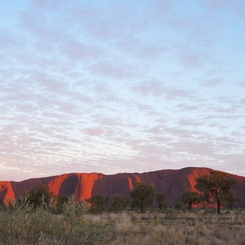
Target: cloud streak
[121, 87]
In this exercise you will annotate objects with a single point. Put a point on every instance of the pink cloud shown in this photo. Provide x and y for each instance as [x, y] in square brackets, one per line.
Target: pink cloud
[75, 49]
[94, 131]
[212, 82]
[116, 69]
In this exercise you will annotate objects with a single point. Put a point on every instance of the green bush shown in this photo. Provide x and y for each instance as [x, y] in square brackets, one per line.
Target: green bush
[21, 223]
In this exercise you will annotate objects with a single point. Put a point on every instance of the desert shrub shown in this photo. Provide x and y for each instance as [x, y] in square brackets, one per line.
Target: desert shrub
[39, 196]
[21, 224]
[179, 205]
[25, 224]
[119, 203]
[161, 198]
[60, 202]
[98, 203]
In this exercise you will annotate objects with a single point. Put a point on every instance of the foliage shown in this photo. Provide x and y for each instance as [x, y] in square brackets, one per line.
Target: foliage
[179, 205]
[160, 199]
[119, 203]
[20, 224]
[60, 202]
[73, 211]
[217, 188]
[135, 204]
[143, 195]
[190, 198]
[98, 202]
[231, 200]
[24, 224]
[39, 195]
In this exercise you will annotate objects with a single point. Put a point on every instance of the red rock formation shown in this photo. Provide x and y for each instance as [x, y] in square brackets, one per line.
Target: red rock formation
[84, 185]
[78, 184]
[6, 192]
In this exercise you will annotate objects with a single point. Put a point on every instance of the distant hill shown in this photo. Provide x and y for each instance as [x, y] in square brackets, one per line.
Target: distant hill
[85, 185]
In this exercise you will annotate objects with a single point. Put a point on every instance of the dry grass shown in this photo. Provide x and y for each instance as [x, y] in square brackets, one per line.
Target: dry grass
[173, 228]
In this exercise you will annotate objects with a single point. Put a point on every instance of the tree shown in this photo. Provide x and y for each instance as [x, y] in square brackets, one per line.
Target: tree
[217, 188]
[98, 202]
[190, 198]
[61, 201]
[119, 203]
[160, 198]
[39, 195]
[231, 199]
[179, 205]
[143, 195]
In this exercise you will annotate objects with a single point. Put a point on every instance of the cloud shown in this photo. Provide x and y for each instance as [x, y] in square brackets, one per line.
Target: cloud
[157, 82]
[9, 39]
[159, 10]
[74, 49]
[52, 5]
[241, 84]
[108, 121]
[145, 51]
[155, 88]
[227, 5]
[212, 82]
[158, 88]
[94, 131]
[118, 69]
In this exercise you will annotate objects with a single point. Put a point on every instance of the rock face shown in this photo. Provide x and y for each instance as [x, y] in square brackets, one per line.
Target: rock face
[85, 185]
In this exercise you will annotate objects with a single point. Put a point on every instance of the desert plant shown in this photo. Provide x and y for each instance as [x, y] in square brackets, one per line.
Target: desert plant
[119, 203]
[23, 224]
[75, 229]
[191, 197]
[179, 205]
[143, 195]
[217, 188]
[39, 195]
[60, 202]
[160, 198]
[98, 203]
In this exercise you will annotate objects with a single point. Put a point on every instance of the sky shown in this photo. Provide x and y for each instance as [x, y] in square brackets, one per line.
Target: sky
[121, 86]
